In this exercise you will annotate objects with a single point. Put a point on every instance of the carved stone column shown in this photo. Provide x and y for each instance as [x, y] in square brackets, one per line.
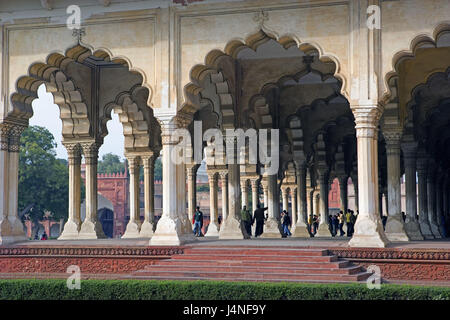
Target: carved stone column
[244, 192]
[293, 208]
[323, 204]
[255, 195]
[343, 194]
[91, 227]
[439, 200]
[431, 195]
[272, 227]
[134, 225]
[354, 177]
[148, 225]
[285, 197]
[73, 224]
[173, 228]
[213, 228]
[11, 227]
[368, 227]
[5, 226]
[301, 229]
[13, 183]
[191, 172]
[395, 230]
[424, 222]
[265, 192]
[224, 179]
[231, 227]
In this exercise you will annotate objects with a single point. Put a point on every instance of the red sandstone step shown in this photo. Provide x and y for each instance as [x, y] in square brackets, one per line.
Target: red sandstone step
[259, 251]
[253, 257]
[267, 263]
[238, 279]
[251, 275]
[244, 269]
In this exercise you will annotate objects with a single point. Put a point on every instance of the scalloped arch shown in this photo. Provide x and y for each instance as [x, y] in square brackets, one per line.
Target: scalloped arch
[252, 41]
[419, 41]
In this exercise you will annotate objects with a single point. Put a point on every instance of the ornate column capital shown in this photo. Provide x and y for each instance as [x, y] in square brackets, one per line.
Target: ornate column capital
[90, 151]
[134, 162]
[366, 119]
[223, 175]
[4, 136]
[15, 131]
[254, 183]
[73, 153]
[393, 139]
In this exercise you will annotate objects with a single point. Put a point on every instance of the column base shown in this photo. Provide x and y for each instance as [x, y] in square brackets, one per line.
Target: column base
[272, 229]
[17, 228]
[187, 226]
[146, 230]
[425, 230]
[213, 230]
[132, 230]
[169, 232]
[300, 231]
[369, 234]
[413, 230]
[323, 231]
[91, 230]
[231, 229]
[395, 230]
[435, 230]
[70, 231]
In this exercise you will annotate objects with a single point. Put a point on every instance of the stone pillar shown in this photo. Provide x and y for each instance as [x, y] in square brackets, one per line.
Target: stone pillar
[354, 177]
[395, 230]
[316, 202]
[255, 195]
[323, 203]
[91, 227]
[213, 228]
[266, 193]
[148, 225]
[343, 184]
[5, 226]
[439, 200]
[244, 193]
[411, 226]
[170, 229]
[17, 231]
[191, 172]
[368, 228]
[224, 179]
[272, 227]
[301, 228]
[431, 195]
[73, 224]
[424, 223]
[134, 225]
[309, 202]
[285, 197]
[231, 228]
[293, 208]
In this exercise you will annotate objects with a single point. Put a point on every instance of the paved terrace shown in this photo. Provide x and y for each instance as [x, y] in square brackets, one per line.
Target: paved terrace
[214, 241]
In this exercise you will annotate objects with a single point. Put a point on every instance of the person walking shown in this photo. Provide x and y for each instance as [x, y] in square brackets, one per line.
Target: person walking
[198, 222]
[341, 220]
[334, 225]
[246, 220]
[348, 220]
[315, 224]
[259, 217]
[286, 223]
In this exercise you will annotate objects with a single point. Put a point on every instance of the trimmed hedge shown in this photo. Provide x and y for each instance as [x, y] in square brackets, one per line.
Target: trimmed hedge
[56, 289]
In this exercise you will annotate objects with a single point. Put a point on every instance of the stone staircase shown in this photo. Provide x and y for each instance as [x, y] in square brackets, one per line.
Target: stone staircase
[254, 264]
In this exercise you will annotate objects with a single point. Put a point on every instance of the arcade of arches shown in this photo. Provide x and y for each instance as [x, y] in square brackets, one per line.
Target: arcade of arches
[343, 107]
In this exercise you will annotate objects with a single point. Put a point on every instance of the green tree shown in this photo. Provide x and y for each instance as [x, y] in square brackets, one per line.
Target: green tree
[111, 163]
[43, 179]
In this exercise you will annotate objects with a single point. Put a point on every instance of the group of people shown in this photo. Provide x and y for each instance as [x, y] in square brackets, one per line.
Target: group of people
[335, 222]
